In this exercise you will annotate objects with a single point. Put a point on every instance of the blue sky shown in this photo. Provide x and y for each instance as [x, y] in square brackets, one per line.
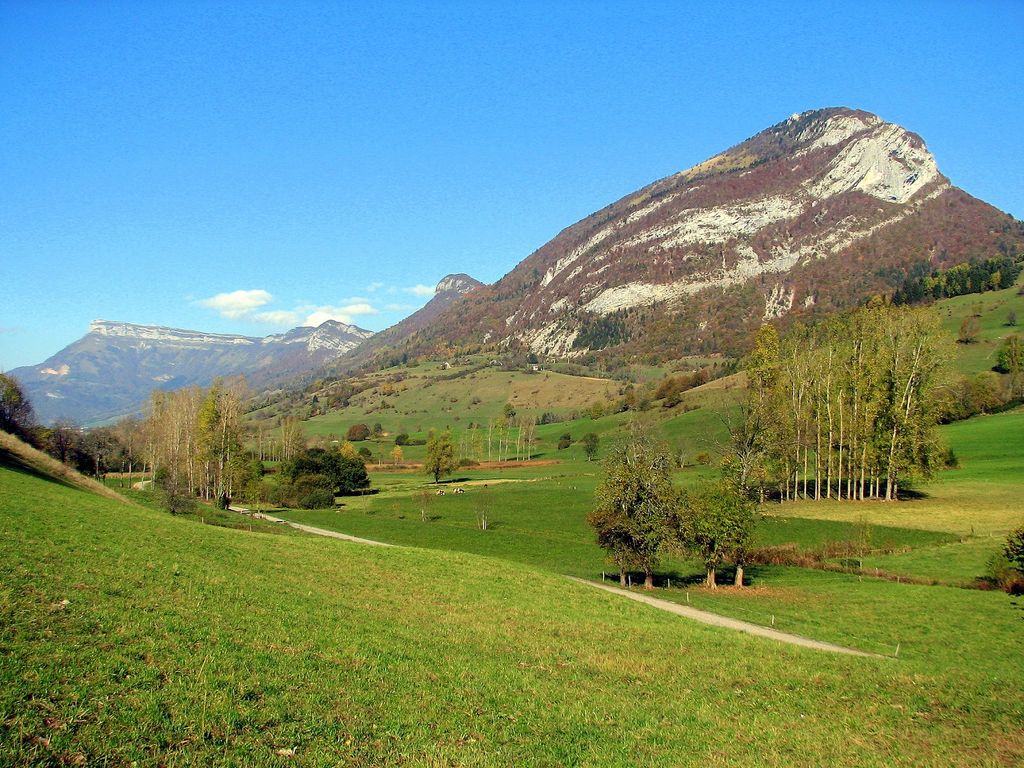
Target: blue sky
[245, 167]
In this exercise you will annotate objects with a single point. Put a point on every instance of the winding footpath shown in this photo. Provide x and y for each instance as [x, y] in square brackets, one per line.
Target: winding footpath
[717, 620]
[309, 528]
[704, 617]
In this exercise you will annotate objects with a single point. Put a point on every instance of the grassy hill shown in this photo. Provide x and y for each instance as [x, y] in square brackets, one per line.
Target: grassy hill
[132, 636]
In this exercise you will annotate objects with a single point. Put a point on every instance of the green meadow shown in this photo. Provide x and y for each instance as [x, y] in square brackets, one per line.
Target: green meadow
[133, 637]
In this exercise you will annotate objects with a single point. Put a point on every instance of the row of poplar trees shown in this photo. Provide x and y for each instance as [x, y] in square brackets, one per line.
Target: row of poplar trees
[193, 439]
[843, 409]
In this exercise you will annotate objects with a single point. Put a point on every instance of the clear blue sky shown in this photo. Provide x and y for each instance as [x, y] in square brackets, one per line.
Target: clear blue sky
[245, 167]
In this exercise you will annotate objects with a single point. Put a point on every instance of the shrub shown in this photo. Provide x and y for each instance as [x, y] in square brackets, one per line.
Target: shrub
[704, 458]
[402, 438]
[564, 441]
[318, 498]
[1003, 574]
[467, 462]
[357, 432]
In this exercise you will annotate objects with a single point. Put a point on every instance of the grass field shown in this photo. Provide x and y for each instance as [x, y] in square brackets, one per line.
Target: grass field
[129, 636]
[991, 311]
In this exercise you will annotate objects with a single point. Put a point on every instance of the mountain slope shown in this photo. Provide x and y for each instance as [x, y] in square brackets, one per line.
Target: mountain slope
[112, 369]
[808, 216]
[390, 342]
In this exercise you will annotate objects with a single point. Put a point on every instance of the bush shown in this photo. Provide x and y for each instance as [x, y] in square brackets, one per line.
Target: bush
[467, 462]
[357, 432]
[564, 441]
[402, 438]
[365, 452]
[318, 498]
[704, 458]
[1003, 574]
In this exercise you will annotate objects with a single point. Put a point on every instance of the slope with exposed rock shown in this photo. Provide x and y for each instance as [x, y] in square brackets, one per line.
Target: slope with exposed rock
[809, 216]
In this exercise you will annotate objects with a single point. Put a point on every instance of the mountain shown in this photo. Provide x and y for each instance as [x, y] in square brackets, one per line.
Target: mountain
[807, 217]
[388, 345]
[111, 370]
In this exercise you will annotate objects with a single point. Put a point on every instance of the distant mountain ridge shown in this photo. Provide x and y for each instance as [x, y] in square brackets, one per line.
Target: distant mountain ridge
[808, 217]
[112, 370]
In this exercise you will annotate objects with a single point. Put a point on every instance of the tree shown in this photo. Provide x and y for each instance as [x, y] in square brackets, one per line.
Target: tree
[715, 523]
[15, 409]
[509, 411]
[357, 432]
[1010, 359]
[635, 504]
[590, 443]
[1014, 549]
[396, 455]
[1011, 318]
[564, 441]
[440, 459]
[345, 474]
[969, 330]
[291, 437]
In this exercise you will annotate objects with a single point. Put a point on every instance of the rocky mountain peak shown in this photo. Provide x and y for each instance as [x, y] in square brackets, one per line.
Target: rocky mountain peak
[809, 215]
[457, 283]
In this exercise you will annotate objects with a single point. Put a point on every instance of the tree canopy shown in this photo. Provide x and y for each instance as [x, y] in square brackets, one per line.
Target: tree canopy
[635, 505]
[440, 459]
[345, 474]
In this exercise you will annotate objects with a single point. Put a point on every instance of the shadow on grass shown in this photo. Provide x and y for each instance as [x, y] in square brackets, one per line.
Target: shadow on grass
[16, 464]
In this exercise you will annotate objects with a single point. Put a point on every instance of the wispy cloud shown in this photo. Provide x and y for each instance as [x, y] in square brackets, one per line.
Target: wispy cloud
[278, 317]
[374, 286]
[346, 313]
[420, 290]
[251, 305]
[237, 304]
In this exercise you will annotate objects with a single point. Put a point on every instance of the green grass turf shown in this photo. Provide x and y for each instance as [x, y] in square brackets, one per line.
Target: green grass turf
[128, 636]
[992, 309]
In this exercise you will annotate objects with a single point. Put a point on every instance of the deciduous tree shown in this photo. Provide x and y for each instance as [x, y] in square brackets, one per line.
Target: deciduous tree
[440, 459]
[635, 505]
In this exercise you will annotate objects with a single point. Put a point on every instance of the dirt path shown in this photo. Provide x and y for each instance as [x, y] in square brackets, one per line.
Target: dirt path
[716, 620]
[309, 528]
[681, 610]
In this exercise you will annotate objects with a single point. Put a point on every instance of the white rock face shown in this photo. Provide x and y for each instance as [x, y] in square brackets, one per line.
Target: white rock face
[779, 302]
[456, 283]
[836, 130]
[711, 225]
[884, 163]
[62, 370]
[872, 157]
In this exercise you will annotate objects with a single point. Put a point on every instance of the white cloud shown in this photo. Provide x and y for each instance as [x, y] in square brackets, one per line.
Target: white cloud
[400, 307]
[278, 317]
[237, 303]
[343, 314]
[374, 286]
[420, 290]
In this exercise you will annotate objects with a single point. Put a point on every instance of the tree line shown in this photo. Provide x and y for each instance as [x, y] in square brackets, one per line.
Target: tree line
[843, 409]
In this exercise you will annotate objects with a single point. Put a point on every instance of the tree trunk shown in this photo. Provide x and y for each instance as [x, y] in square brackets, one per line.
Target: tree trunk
[738, 581]
[710, 579]
[648, 578]
[622, 577]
